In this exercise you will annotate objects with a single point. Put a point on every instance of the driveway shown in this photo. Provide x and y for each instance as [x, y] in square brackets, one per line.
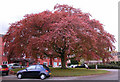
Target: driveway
[113, 75]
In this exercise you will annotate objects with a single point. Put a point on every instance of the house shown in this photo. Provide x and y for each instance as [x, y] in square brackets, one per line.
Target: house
[3, 58]
[116, 56]
[55, 61]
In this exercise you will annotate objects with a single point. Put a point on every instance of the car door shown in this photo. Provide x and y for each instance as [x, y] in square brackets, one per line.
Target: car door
[38, 70]
[30, 71]
[34, 72]
[16, 66]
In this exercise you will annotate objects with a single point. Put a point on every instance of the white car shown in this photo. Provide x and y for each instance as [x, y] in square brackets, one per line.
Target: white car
[72, 66]
[14, 66]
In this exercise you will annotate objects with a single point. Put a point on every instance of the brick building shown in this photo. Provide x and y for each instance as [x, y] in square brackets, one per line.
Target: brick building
[55, 61]
[116, 56]
[3, 58]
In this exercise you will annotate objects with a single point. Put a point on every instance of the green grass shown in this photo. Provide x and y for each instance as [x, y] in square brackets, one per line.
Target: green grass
[16, 70]
[58, 72]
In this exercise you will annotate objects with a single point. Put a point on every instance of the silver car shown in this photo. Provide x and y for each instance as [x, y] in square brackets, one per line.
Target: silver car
[14, 66]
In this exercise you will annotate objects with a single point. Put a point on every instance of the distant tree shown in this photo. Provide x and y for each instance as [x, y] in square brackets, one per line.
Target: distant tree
[65, 32]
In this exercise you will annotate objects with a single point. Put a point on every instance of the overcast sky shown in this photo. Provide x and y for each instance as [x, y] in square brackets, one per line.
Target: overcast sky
[106, 11]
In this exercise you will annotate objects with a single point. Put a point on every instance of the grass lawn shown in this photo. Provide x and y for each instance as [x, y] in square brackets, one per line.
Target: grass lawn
[58, 72]
[16, 70]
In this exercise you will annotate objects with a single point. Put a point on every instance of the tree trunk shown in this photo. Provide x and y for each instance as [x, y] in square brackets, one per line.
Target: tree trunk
[103, 60]
[51, 61]
[63, 61]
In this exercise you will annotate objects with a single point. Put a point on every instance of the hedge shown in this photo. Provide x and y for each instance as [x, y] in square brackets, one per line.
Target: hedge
[104, 67]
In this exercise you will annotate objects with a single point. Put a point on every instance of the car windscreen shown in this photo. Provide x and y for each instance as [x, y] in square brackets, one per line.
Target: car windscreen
[16, 65]
[4, 66]
[0, 66]
[10, 65]
[46, 67]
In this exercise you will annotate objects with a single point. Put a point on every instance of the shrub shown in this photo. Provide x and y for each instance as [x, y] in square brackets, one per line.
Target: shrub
[50, 66]
[115, 63]
[68, 64]
[104, 66]
[73, 61]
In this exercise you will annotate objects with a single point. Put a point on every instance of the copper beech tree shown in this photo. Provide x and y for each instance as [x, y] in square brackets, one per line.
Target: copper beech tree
[65, 32]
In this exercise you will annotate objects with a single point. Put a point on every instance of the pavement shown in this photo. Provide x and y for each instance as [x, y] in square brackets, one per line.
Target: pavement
[112, 75]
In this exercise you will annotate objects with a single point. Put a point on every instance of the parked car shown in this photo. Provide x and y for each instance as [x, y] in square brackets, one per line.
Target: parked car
[14, 66]
[81, 66]
[40, 71]
[72, 66]
[9, 66]
[4, 69]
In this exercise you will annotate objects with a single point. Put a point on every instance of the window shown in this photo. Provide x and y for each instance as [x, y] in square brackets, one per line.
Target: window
[38, 67]
[55, 64]
[59, 63]
[44, 66]
[55, 58]
[0, 66]
[38, 56]
[5, 62]
[31, 68]
[118, 57]
[4, 66]
[3, 54]
[16, 65]
[45, 63]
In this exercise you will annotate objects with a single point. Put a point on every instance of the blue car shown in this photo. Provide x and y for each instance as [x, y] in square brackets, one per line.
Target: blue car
[40, 71]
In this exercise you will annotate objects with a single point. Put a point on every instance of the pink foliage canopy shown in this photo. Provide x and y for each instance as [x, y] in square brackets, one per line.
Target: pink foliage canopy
[62, 32]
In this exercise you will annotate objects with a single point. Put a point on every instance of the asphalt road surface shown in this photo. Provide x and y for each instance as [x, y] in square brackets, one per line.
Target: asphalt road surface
[113, 75]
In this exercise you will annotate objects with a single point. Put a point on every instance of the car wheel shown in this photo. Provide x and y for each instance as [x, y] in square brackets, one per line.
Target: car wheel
[7, 73]
[42, 76]
[19, 76]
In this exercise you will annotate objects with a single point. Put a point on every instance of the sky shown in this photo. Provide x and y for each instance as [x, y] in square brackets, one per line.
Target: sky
[106, 11]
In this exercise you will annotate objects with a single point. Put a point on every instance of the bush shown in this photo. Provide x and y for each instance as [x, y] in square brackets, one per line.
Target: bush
[68, 64]
[74, 61]
[117, 63]
[50, 66]
[104, 66]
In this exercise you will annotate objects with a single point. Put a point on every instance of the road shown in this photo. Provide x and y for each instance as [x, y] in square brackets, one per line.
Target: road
[113, 75]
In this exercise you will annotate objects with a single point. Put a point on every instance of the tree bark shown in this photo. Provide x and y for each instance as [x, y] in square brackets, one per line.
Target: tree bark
[63, 61]
[51, 61]
[103, 60]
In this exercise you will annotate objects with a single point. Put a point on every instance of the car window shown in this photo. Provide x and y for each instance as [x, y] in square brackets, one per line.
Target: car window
[31, 68]
[15, 65]
[10, 65]
[38, 67]
[4, 66]
[45, 67]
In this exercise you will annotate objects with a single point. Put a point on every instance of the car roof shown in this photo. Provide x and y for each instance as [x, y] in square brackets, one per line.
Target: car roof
[13, 63]
[3, 65]
[37, 65]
